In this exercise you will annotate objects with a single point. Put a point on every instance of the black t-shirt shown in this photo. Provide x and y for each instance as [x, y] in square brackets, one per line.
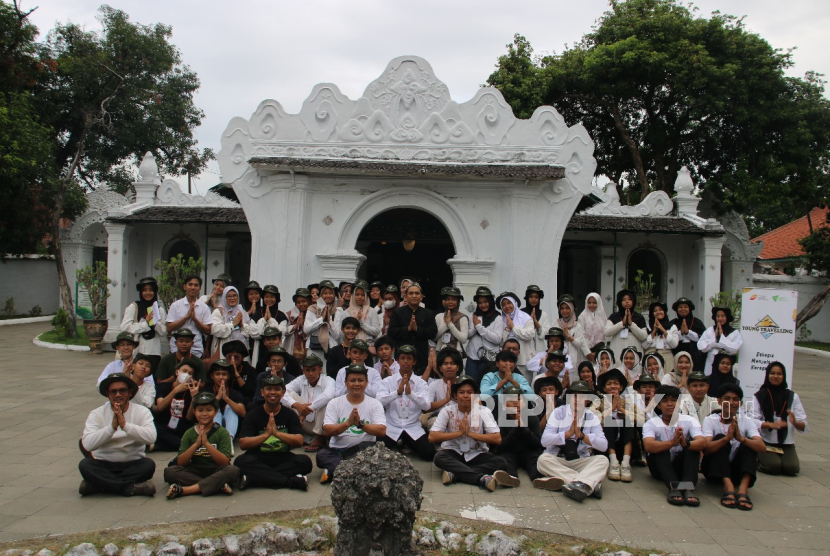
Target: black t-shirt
[248, 374]
[292, 367]
[256, 421]
[287, 378]
[176, 413]
[337, 358]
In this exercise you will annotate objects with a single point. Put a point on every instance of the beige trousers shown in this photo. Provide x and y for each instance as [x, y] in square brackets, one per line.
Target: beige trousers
[590, 470]
[315, 427]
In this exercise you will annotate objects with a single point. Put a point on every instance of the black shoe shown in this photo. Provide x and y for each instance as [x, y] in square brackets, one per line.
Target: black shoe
[299, 482]
[242, 484]
[146, 488]
[597, 493]
[576, 491]
[86, 488]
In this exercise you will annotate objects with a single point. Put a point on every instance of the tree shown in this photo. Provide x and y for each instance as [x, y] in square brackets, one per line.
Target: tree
[658, 88]
[817, 249]
[105, 97]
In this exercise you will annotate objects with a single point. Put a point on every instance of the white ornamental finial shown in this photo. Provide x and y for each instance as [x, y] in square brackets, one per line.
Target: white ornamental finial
[148, 171]
[684, 183]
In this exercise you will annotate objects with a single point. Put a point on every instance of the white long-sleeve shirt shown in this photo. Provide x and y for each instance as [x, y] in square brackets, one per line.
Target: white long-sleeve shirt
[224, 332]
[115, 445]
[317, 396]
[137, 326]
[461, 332]
[313, 322]
[710, 346]
[553, 439]
[659, 342]
[370, 325]
[489, 337]
[771, 436]
[617, 343]
[403, 412]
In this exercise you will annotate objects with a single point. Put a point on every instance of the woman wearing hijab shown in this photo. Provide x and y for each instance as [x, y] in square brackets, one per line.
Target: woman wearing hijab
[268, 315]
[146, 318]
[230, 321]
[722, 372]
[626, 327]
[376, 295]
[689, 329]
[678, 377]
[662, 335]
[585, 372]
[519, 326]
[592, 319]
[359, 308]
[321, 316]
[653, 364]
[629, 364]
[720, 338]
[484, 335]
[541, 320]
[578, 348]
[453, 326]
[603, 358]
[214, 298]
[781, 413]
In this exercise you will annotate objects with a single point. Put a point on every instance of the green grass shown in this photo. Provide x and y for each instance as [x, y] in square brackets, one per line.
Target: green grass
[814, 345]
[53, 337]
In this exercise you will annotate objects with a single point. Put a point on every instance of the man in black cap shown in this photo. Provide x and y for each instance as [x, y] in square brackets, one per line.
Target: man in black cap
[521, 438]
[183, 340]
[353, 422]
[308, 395]
[116, 434]
[243, 375]
[413, 324]
[268, 434]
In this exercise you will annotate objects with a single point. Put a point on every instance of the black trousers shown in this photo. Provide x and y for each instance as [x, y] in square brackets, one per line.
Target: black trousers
[525, 460]
[422, 447]
[716, 467]
[469, 472]
[117, 477]
[330, 458]
[618, 437]
[167, 439]
[272, 470]
[683, 468]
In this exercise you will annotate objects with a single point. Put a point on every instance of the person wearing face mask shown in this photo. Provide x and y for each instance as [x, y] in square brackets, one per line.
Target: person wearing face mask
[626, 327]
[689, 329]
[781, 413]
[533, 309]
[146, 319]
[662, 337]
[484, 335]
[173, 413]
[391, 301]
[720, 338]
[359, 308]
[452, 324]
[592, 319]
[321, 316]
[519, 326]
[165, 372]
[230, 321]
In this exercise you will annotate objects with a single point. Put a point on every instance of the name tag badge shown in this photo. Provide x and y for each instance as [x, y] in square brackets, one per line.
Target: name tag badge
[446, 337]
[310, 417]
[466, 443]
[661, 343]
[173, 422]
[624, 333]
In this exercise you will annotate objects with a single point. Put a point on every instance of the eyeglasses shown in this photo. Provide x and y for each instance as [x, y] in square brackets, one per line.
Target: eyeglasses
[119, 392]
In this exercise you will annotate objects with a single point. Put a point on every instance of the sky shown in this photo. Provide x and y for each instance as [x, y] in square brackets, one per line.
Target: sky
[247, 51]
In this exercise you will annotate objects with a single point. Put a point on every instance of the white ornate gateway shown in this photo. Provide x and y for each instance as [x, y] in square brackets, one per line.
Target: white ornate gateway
[503, 187]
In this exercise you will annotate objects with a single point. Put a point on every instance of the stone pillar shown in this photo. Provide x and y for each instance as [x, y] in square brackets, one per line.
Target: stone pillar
[216, 259]
[607, 286]
[468, 275]
[685, 201]
[117, 271]
[149, 180]
[340, 267]
[709, 261]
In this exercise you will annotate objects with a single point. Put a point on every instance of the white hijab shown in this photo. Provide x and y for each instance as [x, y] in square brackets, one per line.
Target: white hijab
[520, 318]
[593, 323]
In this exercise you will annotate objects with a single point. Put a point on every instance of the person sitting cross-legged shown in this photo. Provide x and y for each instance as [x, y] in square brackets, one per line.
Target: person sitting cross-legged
[173, 412]
[673, 443]
[618, 414]
[570, 435]
[308, 395]
[276, 364]
[464, 430]
[353, 422]
[521, 438]
[405, 396]
[732, 447]
[267, 435]
[116, 434]
[204, 462]
[505, 373]
[231, 405]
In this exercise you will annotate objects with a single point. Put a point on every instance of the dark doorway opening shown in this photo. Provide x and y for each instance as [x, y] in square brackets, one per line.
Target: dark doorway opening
[578, 273]
[384, 242]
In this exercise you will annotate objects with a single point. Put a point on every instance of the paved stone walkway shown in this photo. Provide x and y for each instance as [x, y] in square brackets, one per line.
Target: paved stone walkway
[47, 394]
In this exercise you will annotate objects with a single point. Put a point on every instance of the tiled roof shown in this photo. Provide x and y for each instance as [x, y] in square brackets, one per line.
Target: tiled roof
[782, 243]
[156, 214]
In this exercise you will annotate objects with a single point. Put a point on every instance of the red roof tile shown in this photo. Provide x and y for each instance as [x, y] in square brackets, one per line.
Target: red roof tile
[782, 243]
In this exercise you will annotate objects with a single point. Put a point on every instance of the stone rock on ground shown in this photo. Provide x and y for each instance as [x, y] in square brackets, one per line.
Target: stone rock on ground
[375, 496]
[312, 538]
[496, 543]
[283, 540]
[171, 549]
[206, 547]
[231, 543]
[470, 542]
[426, 537]
[110, 549]
[83, 549]
[139, 549]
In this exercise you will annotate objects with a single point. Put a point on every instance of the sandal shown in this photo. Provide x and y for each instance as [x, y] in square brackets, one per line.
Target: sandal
[226, 489]
[691, 500]
[744, 503]
[312, 447]
[728, 500]
[174, 491]
[675, 498]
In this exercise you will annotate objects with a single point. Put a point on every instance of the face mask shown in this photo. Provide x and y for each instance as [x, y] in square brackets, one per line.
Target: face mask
[389, 304]
[183, 377]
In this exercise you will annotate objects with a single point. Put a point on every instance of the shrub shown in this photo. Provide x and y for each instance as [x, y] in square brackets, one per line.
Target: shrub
[62, 323]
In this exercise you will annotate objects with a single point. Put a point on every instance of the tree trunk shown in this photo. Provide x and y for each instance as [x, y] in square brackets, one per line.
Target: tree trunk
[66, 293]
[635, 152]
[812, 308]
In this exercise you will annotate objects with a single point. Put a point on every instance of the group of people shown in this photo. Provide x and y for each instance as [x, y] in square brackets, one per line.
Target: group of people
[480, 394]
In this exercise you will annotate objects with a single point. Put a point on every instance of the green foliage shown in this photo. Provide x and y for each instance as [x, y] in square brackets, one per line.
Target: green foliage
[171, 276]
[62, 323]
[817, 249]
[96, 282]
[644, 289]
[60, 337]
[804, 334]
[8, 308]
[36, 311]
[729, 299]
[658, 87]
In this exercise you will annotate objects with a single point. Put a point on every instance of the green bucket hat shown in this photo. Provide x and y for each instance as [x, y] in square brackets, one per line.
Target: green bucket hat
[357, 343]
[376, 284]
[451, 291]
[696, 376]
[647, 379]
[226, 278]
[356, 369]
[362, 284]
[502, 295]
[533, 288]
[555, 331]
[205, 398]
[461, 380]
[580, 387]
[123, 336]
[408, 349]
[139, 356]
[253, 285]
[482, 291]
[311, 360]
[565, 298]
[511, 389]
[683, 301]
[272, 289]
[235, 346]
[301, 292]
[391, 289]
[556, 354]
[272, 380]
[223, 364]
[184, 333]
[276, 350]
[271, 331]
[147, 281]
[328, 284]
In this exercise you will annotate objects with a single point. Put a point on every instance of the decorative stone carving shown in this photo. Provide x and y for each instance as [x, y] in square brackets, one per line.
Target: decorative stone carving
[686, 200]
[148, 180]
[737, 238]
[656, 203]
[99, 202]
[408, 114]
[169, 193]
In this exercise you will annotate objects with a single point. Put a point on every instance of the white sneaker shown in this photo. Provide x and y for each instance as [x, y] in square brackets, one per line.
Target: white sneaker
[614, 472]
[625, 474]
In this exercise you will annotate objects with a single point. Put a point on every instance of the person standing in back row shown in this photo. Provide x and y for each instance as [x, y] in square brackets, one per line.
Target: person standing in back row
[414, 325]
[189, 312]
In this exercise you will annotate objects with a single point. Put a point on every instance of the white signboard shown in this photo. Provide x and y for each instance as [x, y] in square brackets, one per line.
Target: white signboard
[768, 333]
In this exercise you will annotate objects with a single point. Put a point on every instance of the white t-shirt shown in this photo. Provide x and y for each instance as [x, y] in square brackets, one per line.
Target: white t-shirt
[712, 426]
[480, 419]
[339, 410]
[655, 428]
[403, 413]
[372, 388]
[117, 366]
[177, 311]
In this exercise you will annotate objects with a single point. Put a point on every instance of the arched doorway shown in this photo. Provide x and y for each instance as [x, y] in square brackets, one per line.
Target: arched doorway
[652, 263]
[407, 242]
